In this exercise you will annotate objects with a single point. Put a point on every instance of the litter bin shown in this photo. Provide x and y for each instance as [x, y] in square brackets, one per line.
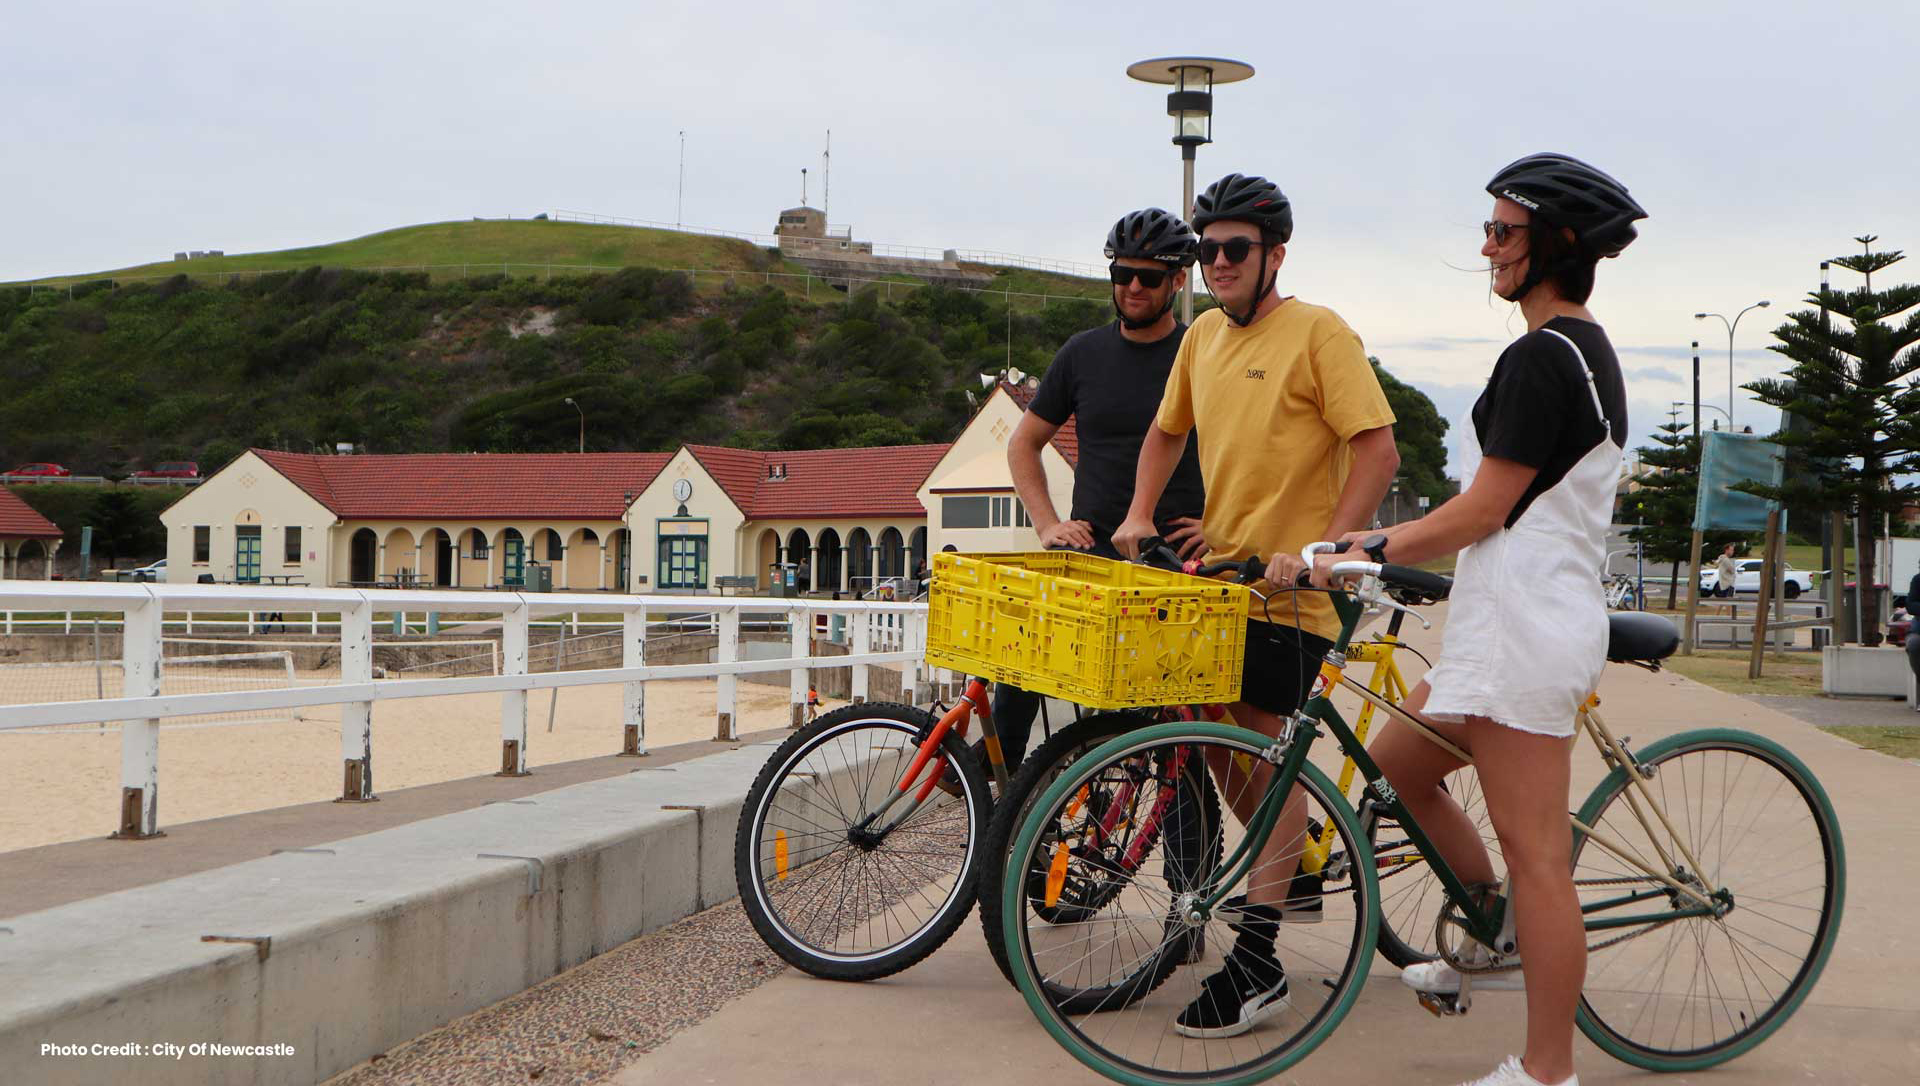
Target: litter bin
[538, 578]
[780, 580]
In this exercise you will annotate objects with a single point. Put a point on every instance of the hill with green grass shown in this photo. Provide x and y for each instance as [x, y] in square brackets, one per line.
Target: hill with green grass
[542, 248]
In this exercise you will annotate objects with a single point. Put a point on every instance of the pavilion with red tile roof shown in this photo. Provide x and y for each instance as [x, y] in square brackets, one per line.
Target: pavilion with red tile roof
[26, 538]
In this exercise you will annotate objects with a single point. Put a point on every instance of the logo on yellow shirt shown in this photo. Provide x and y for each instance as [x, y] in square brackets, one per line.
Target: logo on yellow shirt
[1256, 375]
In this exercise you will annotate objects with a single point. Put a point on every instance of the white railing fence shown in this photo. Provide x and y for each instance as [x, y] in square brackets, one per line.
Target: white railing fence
[878, 633]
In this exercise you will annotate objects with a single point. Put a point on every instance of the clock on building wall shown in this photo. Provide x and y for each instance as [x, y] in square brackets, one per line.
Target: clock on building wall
[682, 490]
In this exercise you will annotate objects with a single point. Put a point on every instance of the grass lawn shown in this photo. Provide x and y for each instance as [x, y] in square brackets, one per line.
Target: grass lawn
[1899, 742]
[1781, 673]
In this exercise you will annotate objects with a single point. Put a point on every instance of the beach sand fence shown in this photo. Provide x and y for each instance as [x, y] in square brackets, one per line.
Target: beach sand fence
[198, 665]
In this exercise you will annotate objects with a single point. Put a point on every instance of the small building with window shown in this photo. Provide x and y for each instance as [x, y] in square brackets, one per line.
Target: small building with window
[28, 541]
[969, 495]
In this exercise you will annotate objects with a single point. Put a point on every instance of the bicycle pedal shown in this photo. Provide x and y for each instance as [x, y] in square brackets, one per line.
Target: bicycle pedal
[1445, 1004]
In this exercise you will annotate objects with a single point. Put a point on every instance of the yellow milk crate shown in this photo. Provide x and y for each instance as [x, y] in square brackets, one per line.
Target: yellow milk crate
[1090, 630]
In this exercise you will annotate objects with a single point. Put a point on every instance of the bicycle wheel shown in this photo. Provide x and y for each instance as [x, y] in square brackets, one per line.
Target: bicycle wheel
[835, 891]
[1099, 864]
[1695, 992]
[1326, 962]
[1410, 895]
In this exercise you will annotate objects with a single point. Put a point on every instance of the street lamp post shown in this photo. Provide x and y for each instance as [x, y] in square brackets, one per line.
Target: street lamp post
[1702, 407]
[1731, 325]
[1190, 104]
[583, 424]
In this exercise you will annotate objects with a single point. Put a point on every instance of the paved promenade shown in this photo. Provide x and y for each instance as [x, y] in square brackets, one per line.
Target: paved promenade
[669, 1009]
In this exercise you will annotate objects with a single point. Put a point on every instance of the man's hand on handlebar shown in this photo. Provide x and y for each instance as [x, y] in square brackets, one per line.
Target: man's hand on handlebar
[1284, 569]
[1127, 537]
[1187, 538]
[1077, 534]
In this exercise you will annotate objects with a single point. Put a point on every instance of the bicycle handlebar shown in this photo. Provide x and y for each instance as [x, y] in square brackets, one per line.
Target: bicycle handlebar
[1417, 582]
[1155, 552]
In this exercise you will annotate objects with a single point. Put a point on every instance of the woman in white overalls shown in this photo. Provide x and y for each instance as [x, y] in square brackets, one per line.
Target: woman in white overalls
[1526, 634]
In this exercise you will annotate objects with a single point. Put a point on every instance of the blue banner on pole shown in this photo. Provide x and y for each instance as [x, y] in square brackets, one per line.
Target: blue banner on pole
[1727, 460]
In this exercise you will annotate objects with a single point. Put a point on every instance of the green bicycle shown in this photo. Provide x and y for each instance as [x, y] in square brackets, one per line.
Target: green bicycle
[1709, 866]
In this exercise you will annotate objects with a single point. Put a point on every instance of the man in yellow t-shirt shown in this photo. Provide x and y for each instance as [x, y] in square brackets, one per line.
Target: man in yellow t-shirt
[1299, 447]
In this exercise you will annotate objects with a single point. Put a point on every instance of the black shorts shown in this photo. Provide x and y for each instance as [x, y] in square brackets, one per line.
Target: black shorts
[1281, 664]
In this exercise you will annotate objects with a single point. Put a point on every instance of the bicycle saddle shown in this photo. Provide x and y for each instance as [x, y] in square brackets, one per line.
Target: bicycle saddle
[1637, 637]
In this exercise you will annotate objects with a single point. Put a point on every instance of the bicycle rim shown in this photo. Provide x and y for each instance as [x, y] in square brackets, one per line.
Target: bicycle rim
[1696, 992]
[822, 899]
[1140, 929]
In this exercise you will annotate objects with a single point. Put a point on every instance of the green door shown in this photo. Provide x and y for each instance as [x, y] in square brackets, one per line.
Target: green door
[246, 555]
[683, 561]
[514, 560]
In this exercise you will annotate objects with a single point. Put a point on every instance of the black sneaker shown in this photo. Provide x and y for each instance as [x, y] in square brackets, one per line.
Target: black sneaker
[1248, 990]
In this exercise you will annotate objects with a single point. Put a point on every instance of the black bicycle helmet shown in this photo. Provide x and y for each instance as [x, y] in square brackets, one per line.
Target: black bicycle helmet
[1242, 198]
[1152, 234]
[1567, 192]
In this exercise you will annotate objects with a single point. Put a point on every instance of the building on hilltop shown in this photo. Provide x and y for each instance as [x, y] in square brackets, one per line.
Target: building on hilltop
[25, 537]
[805, 230]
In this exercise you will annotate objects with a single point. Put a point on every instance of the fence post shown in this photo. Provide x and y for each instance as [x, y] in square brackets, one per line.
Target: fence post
[513, 703]
[800, 679]
[862, 644]
[728, 652]
[356, 717]
[140, 739]
[69, 629]
[633, 696]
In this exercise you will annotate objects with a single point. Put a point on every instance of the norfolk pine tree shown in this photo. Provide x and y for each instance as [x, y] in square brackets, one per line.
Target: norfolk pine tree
[1853, 383]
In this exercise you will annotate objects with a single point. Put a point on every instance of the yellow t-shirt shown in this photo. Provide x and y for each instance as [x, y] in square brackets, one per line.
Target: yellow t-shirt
[1276, 402]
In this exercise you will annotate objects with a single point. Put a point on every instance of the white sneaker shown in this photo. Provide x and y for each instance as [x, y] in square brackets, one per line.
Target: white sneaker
[1442, 979]
[1511, 1073]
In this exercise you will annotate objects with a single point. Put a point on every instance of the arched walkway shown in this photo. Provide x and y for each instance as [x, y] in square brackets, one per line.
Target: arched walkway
[860, 561]
[473, 559]
[585, 569]
[436, 558]
[893, 558]
[398, 554]
[828, 575]
[363, 557]
[800, 552]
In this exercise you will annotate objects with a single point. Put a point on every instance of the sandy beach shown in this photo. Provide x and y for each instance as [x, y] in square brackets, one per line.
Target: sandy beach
[65, 787]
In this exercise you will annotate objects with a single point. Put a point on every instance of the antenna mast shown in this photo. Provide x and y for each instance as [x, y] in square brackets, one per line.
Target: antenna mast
[826, 178]
[803, 186]
[680, 198]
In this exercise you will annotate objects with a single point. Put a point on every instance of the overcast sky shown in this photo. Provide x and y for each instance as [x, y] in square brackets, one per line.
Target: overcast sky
[1760, 136]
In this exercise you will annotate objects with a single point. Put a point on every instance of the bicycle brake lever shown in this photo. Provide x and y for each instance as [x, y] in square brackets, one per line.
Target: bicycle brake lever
[1384, 601]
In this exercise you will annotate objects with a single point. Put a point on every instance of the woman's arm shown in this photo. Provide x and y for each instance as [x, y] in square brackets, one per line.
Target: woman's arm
[1463, 520]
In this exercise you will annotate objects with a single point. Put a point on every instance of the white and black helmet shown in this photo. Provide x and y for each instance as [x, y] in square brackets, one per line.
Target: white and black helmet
[1152, 234]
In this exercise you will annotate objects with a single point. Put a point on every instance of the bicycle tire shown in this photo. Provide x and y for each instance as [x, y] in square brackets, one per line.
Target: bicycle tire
[1039, 769]
[1788, 830]
[1326, 963]
[813, 797]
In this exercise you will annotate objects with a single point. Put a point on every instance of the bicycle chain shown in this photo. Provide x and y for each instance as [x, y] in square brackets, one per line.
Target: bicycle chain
[1451, 956]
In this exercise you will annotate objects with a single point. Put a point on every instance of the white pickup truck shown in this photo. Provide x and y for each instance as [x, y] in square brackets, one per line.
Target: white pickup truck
[1747, 579]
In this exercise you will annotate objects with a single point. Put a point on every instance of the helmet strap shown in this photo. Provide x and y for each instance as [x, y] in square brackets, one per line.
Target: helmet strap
[1266, 288]
[1132, 325]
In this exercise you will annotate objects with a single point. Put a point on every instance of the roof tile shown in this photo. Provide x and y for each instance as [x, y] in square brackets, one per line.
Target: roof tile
[17, 518]
[476, 486]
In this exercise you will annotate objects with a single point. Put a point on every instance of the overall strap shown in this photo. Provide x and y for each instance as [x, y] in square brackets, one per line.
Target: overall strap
[1592, 388]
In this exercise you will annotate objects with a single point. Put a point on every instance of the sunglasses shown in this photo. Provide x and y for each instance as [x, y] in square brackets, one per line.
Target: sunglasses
[1499, 231]
[1235, 248]
[1151, 278]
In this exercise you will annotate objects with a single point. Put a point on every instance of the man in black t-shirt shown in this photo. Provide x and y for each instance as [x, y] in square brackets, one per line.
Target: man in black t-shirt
[1109, 380]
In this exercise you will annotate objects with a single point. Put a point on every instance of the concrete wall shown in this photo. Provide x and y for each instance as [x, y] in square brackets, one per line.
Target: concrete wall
[345, 950]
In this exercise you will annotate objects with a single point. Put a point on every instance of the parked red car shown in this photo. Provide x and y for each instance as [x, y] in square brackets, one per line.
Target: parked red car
[170, 469]
[40, 469]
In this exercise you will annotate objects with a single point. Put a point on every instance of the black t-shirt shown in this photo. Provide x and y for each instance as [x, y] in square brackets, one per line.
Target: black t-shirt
[1538, 410]
[1112, 387]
